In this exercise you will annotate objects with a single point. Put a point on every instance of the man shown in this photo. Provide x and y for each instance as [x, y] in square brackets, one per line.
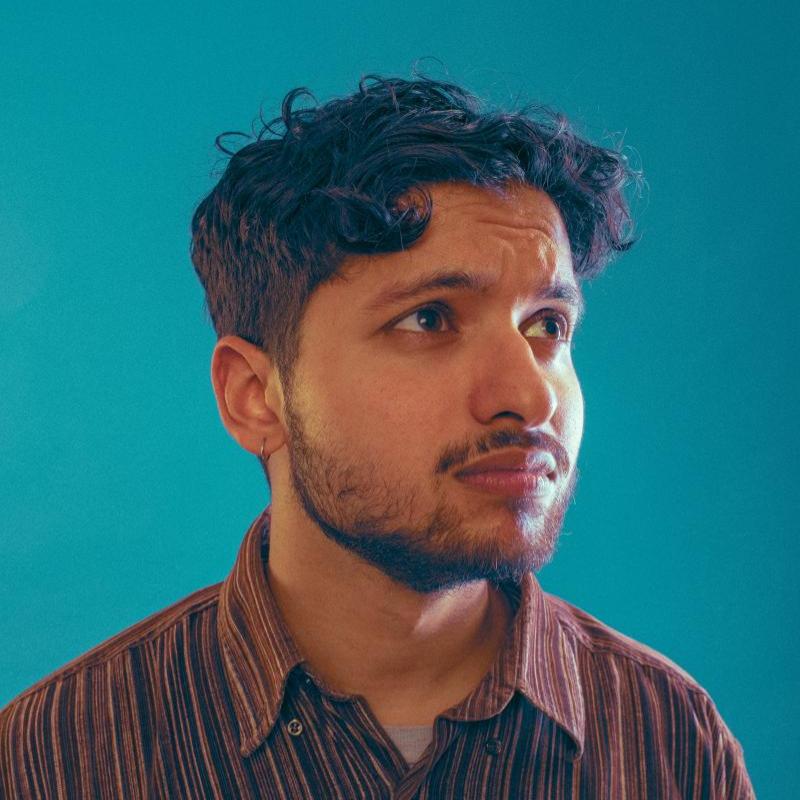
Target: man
[395, 283]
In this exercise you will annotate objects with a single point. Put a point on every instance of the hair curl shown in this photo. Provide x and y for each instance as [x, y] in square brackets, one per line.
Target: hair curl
[294, 202]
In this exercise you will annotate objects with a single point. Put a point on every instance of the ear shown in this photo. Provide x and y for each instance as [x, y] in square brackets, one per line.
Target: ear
[249, 395]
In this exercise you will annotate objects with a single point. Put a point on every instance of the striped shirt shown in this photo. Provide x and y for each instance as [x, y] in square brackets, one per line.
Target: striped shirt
[210, 698]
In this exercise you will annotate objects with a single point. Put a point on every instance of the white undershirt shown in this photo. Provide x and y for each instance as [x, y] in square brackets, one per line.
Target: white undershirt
[411, 740]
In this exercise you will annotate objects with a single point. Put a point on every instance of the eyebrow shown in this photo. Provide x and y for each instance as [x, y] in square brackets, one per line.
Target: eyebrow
[461, 280]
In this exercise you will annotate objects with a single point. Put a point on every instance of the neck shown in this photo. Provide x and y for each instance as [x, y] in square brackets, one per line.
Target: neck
[410, 655]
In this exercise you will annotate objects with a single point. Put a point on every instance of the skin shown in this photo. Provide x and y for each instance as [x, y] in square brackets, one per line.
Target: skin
[382, 562]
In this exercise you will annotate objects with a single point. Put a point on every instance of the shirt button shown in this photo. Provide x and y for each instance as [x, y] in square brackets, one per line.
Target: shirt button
[493, 747]
[295, 727]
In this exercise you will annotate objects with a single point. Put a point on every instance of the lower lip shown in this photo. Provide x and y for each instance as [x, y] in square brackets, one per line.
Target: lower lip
[517, 483]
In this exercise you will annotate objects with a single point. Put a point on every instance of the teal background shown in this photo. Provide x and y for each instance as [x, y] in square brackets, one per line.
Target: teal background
[121, 492]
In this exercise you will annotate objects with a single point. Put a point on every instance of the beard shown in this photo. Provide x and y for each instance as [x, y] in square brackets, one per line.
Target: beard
[437, 551]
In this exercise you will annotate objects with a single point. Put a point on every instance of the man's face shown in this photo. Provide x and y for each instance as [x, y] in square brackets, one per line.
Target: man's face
[388, 402]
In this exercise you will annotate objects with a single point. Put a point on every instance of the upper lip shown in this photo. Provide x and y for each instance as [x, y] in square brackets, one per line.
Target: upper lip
[539, 461]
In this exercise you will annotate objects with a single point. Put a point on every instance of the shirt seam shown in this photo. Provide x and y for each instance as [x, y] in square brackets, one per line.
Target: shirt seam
[642, 660]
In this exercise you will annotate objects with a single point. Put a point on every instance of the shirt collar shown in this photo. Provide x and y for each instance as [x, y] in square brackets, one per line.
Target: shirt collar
[538, 657]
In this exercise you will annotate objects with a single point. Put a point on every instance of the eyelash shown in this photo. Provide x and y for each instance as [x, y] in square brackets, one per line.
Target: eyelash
[447, 313]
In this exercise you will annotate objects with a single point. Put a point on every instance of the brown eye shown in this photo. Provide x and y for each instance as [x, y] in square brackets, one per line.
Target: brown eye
[551, 326]
[425, 318]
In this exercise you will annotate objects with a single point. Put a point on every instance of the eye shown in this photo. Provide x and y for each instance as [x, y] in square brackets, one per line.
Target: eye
[555, 326]
[431, 311]
[549, 324]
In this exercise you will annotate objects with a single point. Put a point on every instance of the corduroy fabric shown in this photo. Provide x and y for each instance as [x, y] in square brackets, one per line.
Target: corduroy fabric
[210, 698]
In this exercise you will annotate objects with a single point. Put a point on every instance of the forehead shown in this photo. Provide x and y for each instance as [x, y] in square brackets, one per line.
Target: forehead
[477, 226]
[519, 206]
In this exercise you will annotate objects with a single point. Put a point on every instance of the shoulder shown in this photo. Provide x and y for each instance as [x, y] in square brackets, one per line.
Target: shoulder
[134, 638]
[103, 701]
[636, 688]
[598, 640]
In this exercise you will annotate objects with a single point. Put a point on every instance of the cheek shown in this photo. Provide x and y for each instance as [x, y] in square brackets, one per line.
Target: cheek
[574, 412]
[374, 409]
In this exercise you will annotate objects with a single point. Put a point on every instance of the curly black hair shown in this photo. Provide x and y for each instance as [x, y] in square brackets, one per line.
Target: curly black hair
[294, 202]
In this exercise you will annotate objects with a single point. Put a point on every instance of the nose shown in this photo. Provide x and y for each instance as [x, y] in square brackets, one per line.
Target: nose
[513, 379]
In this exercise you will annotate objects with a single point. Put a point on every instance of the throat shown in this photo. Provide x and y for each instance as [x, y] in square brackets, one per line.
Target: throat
[420, 705]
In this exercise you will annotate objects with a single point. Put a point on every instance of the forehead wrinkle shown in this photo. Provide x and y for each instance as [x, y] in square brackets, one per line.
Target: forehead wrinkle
[544, 255]
[540, 225]
[546, 220]
[516, 219]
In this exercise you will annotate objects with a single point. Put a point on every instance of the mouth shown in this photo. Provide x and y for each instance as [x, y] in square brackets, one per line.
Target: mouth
[513, 482]
[515, 460]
